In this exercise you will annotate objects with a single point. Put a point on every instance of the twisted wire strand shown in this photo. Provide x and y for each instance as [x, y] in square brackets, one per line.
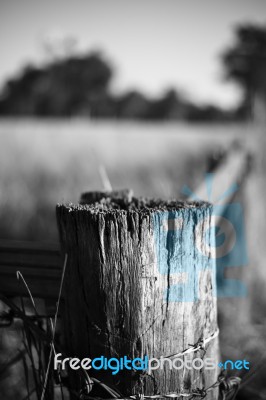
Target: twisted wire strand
[201, 344]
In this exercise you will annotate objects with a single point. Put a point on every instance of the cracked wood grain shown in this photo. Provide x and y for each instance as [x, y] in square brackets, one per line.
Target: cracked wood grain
[132, 272]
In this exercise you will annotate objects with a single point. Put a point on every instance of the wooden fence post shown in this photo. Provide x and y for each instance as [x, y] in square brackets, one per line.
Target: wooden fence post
[137, 284]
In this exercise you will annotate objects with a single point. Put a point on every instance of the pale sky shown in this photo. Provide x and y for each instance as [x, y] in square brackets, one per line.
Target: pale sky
[152, 44]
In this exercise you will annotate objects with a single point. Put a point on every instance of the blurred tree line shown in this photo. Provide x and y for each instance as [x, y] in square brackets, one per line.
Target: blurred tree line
[79, 85]
[245, 63]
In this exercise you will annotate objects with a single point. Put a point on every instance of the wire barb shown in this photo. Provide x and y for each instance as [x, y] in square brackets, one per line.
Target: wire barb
[199, 345]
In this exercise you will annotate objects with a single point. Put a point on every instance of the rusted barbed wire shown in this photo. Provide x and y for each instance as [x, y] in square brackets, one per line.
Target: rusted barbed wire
[228, 386]
[199, 345]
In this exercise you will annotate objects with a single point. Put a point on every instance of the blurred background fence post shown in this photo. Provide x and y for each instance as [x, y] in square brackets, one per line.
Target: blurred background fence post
[119, 299]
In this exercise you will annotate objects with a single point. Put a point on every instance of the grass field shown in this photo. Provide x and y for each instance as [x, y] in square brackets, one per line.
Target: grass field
[45, 162]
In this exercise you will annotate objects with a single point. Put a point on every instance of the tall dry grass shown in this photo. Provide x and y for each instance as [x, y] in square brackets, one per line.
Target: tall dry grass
[50, 161]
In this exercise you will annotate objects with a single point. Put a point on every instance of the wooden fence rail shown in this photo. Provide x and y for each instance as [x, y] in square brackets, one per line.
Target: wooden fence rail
[39, 263]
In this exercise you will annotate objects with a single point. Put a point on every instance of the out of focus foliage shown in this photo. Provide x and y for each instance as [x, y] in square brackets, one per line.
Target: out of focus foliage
[79, 85]
[65, 87]
[245, 63]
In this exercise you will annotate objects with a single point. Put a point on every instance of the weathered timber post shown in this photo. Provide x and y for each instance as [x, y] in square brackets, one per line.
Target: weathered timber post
[138, 284]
